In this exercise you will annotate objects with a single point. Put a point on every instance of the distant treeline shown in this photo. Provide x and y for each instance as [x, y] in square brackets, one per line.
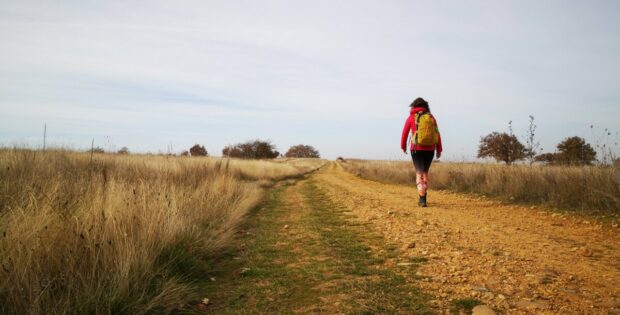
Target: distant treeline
[254, 149]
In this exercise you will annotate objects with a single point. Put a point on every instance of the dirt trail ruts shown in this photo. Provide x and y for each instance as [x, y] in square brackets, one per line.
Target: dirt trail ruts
[517, 260]
[299, 253]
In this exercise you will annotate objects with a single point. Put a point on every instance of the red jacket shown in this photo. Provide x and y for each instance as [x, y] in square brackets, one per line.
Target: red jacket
[410, 128]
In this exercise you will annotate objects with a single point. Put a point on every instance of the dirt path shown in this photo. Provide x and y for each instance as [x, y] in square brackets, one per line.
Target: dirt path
[333, 243]
[515, 259]
[302, 254]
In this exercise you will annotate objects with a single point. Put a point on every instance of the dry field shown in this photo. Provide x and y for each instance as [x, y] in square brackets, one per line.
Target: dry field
[589, 189]
[148, 234]
[106, 234]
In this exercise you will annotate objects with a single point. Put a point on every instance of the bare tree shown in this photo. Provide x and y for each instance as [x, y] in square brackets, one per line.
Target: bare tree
[531, 144]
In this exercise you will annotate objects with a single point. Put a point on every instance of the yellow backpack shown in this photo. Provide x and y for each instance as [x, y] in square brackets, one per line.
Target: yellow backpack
[427, 133]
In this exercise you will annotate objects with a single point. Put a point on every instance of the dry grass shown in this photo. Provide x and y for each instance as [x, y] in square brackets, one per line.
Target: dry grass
[82, 236]
[591, 189]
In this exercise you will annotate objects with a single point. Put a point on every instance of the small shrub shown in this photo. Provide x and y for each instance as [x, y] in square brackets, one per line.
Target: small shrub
[302, 151]
[198, 150]
[256, 149]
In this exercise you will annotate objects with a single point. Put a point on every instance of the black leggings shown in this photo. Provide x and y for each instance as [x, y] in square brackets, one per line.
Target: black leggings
[422, 160]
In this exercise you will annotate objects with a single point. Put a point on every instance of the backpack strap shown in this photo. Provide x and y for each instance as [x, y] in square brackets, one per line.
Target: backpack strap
[417, 123]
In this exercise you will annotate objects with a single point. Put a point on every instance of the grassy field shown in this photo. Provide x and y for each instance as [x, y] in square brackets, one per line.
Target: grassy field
[130, 234]
[588, 189]
[94, 234]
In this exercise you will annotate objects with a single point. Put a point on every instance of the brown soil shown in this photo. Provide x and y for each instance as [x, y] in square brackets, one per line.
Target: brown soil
[515, 259]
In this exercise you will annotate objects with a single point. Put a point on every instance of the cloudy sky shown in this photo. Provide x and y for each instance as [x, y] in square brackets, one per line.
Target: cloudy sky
[338, 75]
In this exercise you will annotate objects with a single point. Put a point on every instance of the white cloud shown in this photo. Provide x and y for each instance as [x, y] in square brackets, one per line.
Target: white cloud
[326, 72]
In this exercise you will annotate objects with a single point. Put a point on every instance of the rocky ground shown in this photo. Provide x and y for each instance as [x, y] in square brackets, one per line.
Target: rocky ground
[514, 259]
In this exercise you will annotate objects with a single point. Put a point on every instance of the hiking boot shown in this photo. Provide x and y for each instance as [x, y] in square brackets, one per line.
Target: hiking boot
[422, 201]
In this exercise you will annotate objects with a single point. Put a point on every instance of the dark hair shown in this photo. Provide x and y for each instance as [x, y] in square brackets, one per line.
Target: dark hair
[419, 102]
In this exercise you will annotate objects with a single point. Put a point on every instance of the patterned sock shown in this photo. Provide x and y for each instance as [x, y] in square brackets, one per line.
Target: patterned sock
[421, 188]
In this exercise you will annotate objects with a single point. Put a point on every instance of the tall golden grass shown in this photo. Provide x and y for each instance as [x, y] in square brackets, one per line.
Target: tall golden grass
[82, 234]
[592, 189]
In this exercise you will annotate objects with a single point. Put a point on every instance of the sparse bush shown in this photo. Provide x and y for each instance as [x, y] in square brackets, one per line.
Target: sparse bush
[256, 149]
[606, 143]
[198, 150]
[548, 158]
[185, 153]
[97, 150]
[233, 151]
[302, 151]
[123, 150]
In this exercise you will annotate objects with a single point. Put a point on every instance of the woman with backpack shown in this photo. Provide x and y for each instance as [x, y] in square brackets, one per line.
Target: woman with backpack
[425, 139]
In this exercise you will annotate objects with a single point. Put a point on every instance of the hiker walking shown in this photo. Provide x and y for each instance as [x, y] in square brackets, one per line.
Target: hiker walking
[425, 139]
